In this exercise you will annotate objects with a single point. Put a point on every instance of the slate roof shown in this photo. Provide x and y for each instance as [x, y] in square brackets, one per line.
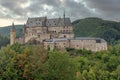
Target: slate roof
[13, 27]
[77, 38]
[56, 40]
[43, 22]
[32, 22]
[88, 38]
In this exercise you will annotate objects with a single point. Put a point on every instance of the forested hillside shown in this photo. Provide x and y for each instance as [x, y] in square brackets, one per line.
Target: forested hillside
[96, 27]
[5, 31]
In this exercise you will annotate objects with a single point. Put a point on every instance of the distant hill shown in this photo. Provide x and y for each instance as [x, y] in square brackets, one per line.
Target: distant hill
[96, 27]
[4, 31]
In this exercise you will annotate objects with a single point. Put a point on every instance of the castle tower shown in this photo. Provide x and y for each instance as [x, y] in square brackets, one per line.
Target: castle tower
[12, 34]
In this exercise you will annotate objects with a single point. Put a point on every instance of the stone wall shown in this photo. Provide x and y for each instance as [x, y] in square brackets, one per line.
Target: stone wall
[77, 44]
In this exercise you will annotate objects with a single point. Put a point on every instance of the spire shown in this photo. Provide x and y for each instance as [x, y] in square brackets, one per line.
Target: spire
[64, 18]
[13, 26]
[64, 14]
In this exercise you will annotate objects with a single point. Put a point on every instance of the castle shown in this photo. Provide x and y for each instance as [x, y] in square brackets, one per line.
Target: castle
[55, 33]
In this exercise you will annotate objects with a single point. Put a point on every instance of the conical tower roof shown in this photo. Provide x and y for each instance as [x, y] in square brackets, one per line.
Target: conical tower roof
[13, 26]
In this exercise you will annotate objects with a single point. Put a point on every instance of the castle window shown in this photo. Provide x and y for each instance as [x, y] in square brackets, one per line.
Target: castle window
[55, 31]
[98, 41]
[77, 45]
[64, 36]
[39, 36]
[50, 36]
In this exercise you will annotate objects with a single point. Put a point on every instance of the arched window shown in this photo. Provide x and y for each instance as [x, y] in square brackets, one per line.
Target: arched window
[64, 36]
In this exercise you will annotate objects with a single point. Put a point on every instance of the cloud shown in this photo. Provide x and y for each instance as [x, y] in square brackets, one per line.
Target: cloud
[37, 8]
[107, 8]
[75, 9]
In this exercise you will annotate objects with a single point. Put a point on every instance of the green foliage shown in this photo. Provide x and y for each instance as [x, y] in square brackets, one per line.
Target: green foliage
[102, 65]
[30, 62]
[60, 67]
[76, 52]
[70, 49]
[21, 62]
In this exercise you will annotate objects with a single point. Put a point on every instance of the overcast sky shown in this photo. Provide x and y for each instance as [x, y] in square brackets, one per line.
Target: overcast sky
[19, 10]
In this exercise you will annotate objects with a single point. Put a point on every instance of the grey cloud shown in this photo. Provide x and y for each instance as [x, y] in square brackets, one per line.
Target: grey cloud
[77, 10]
[106, 8]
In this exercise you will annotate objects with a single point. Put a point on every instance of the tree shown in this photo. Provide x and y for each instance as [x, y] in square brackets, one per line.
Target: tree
[7, 64]
[60, 67]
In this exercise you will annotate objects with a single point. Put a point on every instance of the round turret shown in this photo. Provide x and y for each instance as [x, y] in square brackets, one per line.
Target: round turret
[12, 34]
